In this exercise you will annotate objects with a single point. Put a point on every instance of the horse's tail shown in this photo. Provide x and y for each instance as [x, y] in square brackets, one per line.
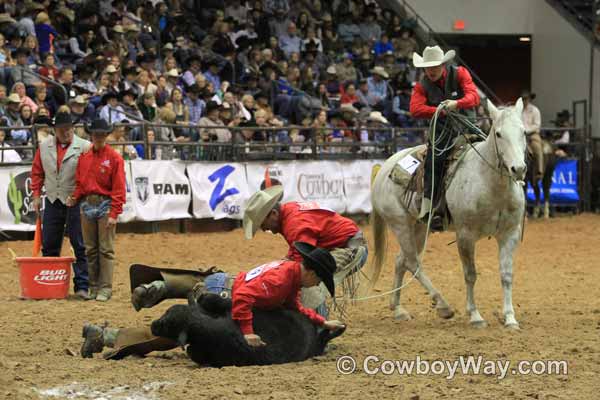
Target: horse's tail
[379, 233]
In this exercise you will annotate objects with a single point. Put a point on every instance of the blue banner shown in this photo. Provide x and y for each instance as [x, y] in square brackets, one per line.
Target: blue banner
[564, 184]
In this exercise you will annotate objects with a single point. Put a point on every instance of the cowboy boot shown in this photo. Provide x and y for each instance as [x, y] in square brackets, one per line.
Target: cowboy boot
[95, 338]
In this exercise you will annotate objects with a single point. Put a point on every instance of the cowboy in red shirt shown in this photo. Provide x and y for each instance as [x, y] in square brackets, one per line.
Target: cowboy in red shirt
[310, 223]
[278, 284]
[446, 84]
[269, 286]
[100, 187]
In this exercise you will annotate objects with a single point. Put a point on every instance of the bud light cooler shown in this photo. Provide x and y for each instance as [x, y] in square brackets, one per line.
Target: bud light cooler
[44, 277]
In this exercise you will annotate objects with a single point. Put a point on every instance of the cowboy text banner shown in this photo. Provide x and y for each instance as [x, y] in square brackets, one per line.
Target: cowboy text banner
[16, 199]
[219, 190]
[161, 190]
[305, 181]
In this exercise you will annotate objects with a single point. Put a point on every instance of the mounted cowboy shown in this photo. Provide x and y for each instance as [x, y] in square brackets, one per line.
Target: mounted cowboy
[532, 120]
[441, 83]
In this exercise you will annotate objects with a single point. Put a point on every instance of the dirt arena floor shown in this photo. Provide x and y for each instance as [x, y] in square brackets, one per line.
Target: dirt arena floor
[556, 284]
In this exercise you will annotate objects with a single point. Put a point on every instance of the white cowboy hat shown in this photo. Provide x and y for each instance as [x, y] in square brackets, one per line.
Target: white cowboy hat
[348, 107]
[259, 206]
[377, 117]
[380, 71]
[331, 70]
[14, 98]
[173, 73]
[432, 57]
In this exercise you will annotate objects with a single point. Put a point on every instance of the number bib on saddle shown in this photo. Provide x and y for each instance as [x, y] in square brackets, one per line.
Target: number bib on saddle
[263, 268]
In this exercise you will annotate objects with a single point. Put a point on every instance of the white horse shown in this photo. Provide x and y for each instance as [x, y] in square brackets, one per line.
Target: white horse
[485, 198]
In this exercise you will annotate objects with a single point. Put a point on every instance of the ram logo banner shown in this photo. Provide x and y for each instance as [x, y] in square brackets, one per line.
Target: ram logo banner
[141, 188]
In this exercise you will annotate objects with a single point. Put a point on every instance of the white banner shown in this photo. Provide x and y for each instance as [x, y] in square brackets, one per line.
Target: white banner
[16, 209]
[162, 190]
[220, 190]
[320, 181]
[357, 185]
[323, 182]
[280, 173]
[128, 213]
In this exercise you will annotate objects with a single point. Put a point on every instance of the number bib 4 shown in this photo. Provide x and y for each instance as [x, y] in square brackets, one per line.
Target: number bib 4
[263, 268]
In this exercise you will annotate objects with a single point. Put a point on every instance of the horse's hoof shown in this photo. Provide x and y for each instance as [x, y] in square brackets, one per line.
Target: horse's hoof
[445, 312]
[513, 327]
[400, 314]
[479, 324]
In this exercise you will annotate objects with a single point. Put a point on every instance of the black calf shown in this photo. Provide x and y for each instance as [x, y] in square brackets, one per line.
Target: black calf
[213, 338]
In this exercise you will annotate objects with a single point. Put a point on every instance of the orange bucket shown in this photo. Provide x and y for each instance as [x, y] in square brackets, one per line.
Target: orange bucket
[44, 277]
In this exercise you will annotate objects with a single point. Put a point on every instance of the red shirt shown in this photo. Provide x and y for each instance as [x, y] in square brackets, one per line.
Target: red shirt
[418, 100]
[307, 222]
[37, 168]
[101, 172]
[269, 286]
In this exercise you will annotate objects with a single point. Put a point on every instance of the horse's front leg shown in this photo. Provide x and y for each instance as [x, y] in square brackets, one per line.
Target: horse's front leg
[466, 250]
[507, 244]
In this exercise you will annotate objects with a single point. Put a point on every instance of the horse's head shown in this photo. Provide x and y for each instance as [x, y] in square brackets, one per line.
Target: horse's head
[508, 137]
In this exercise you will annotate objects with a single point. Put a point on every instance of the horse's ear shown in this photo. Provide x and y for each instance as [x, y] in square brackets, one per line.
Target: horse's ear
[493, 110]
[519, 106]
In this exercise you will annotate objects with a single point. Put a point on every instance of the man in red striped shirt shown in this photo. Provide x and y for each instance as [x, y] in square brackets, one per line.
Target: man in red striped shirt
[100, 187]
[447, 84]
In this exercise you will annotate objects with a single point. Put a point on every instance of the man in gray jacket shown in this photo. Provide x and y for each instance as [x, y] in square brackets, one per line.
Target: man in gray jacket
[54, 167]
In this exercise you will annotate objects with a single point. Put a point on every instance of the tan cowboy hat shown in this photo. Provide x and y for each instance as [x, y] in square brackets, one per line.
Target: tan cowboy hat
[432, 57]
[14, 98]
[378, 70]
[259, 206]
[347, 107]
[79, 100]
[168, 47]
[118, 29]
[173, 73]
[68, 13]
[111, 69]
[131, 28]
[6, 18]
[377, 117]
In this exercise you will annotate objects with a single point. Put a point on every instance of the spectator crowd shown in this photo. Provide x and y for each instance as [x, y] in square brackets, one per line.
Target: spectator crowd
[252, 72]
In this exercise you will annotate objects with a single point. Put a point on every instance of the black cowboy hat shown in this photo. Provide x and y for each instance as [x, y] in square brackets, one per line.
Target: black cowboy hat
[192, 58]
[145, 58]
[63, 120]
[98, 125]
[109, 95]
[212, 105]
[21, 51]
[527, 94]
[320, 261]
[127, 92]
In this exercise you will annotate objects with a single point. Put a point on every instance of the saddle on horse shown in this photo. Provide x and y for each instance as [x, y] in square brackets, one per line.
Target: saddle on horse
[409, 173]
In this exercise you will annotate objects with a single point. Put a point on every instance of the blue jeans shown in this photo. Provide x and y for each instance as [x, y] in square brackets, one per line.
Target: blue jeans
[56, 217]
